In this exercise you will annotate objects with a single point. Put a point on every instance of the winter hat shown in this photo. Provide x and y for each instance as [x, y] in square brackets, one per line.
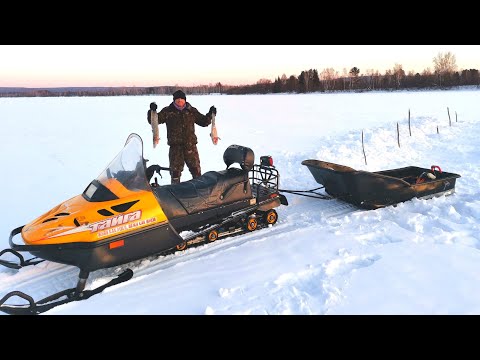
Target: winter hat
[179, 94]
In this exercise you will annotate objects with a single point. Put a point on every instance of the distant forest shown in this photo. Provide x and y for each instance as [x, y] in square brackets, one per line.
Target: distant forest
[444, 75]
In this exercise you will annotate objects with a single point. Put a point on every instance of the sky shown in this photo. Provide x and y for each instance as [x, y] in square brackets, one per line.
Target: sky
[322, 257]
[188, 65]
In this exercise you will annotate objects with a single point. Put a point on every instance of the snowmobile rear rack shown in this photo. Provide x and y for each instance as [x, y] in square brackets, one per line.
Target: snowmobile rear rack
[265, 181]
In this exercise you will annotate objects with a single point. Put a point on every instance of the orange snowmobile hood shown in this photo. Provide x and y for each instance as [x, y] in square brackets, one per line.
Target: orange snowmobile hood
[78, 220]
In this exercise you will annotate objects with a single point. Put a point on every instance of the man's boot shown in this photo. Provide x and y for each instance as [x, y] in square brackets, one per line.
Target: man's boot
[176, 177]
[196, 173]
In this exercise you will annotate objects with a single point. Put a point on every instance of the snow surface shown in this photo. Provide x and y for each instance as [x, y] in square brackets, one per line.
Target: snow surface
[322, 257]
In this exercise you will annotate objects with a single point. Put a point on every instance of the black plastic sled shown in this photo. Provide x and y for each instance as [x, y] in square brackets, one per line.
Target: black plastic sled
[373, 190]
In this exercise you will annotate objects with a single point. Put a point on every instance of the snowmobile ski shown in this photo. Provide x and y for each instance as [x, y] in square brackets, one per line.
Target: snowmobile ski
[22, 262]
[48, 303]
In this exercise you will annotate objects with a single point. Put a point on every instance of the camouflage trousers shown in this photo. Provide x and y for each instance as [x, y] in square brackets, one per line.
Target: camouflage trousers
[180, 155]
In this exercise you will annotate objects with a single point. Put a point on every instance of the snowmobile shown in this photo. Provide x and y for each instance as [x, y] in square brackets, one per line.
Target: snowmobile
[123, 216]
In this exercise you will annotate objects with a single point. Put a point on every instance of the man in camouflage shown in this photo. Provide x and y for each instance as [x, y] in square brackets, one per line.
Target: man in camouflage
[180, 118]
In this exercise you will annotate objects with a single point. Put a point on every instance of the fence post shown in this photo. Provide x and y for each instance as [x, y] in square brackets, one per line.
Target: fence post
[409, 129]
[363, 148]
[398, 135]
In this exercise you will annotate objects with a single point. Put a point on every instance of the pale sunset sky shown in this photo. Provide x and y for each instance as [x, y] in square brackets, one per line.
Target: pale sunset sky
[188, 65]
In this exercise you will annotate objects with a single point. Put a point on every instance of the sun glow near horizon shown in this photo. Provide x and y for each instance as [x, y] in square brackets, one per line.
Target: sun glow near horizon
[190, 65]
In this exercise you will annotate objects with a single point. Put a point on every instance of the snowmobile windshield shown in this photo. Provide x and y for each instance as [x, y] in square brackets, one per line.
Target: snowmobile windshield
[127, 168]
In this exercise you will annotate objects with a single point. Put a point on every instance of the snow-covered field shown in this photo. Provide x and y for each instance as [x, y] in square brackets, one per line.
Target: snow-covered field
[322, 257]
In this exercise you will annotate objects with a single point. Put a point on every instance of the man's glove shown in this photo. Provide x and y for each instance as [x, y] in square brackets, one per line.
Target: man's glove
[213, 110]
[153, 106]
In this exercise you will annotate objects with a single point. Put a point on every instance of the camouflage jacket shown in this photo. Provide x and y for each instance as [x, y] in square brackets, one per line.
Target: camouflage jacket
[181, 124]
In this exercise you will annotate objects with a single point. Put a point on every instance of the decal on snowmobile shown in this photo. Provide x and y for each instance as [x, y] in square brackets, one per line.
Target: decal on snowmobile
[116, 220]
[126, 227]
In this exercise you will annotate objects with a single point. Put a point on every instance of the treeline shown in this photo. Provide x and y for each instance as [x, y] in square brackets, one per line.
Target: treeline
[312, 81]
[444, 75]
[113, 91]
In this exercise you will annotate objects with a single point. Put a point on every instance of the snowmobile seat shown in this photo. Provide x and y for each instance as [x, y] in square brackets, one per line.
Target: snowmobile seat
[212, 189]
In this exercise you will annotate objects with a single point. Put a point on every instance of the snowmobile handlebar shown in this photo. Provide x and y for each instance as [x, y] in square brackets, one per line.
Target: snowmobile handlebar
[157, 168]
[152, 169]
